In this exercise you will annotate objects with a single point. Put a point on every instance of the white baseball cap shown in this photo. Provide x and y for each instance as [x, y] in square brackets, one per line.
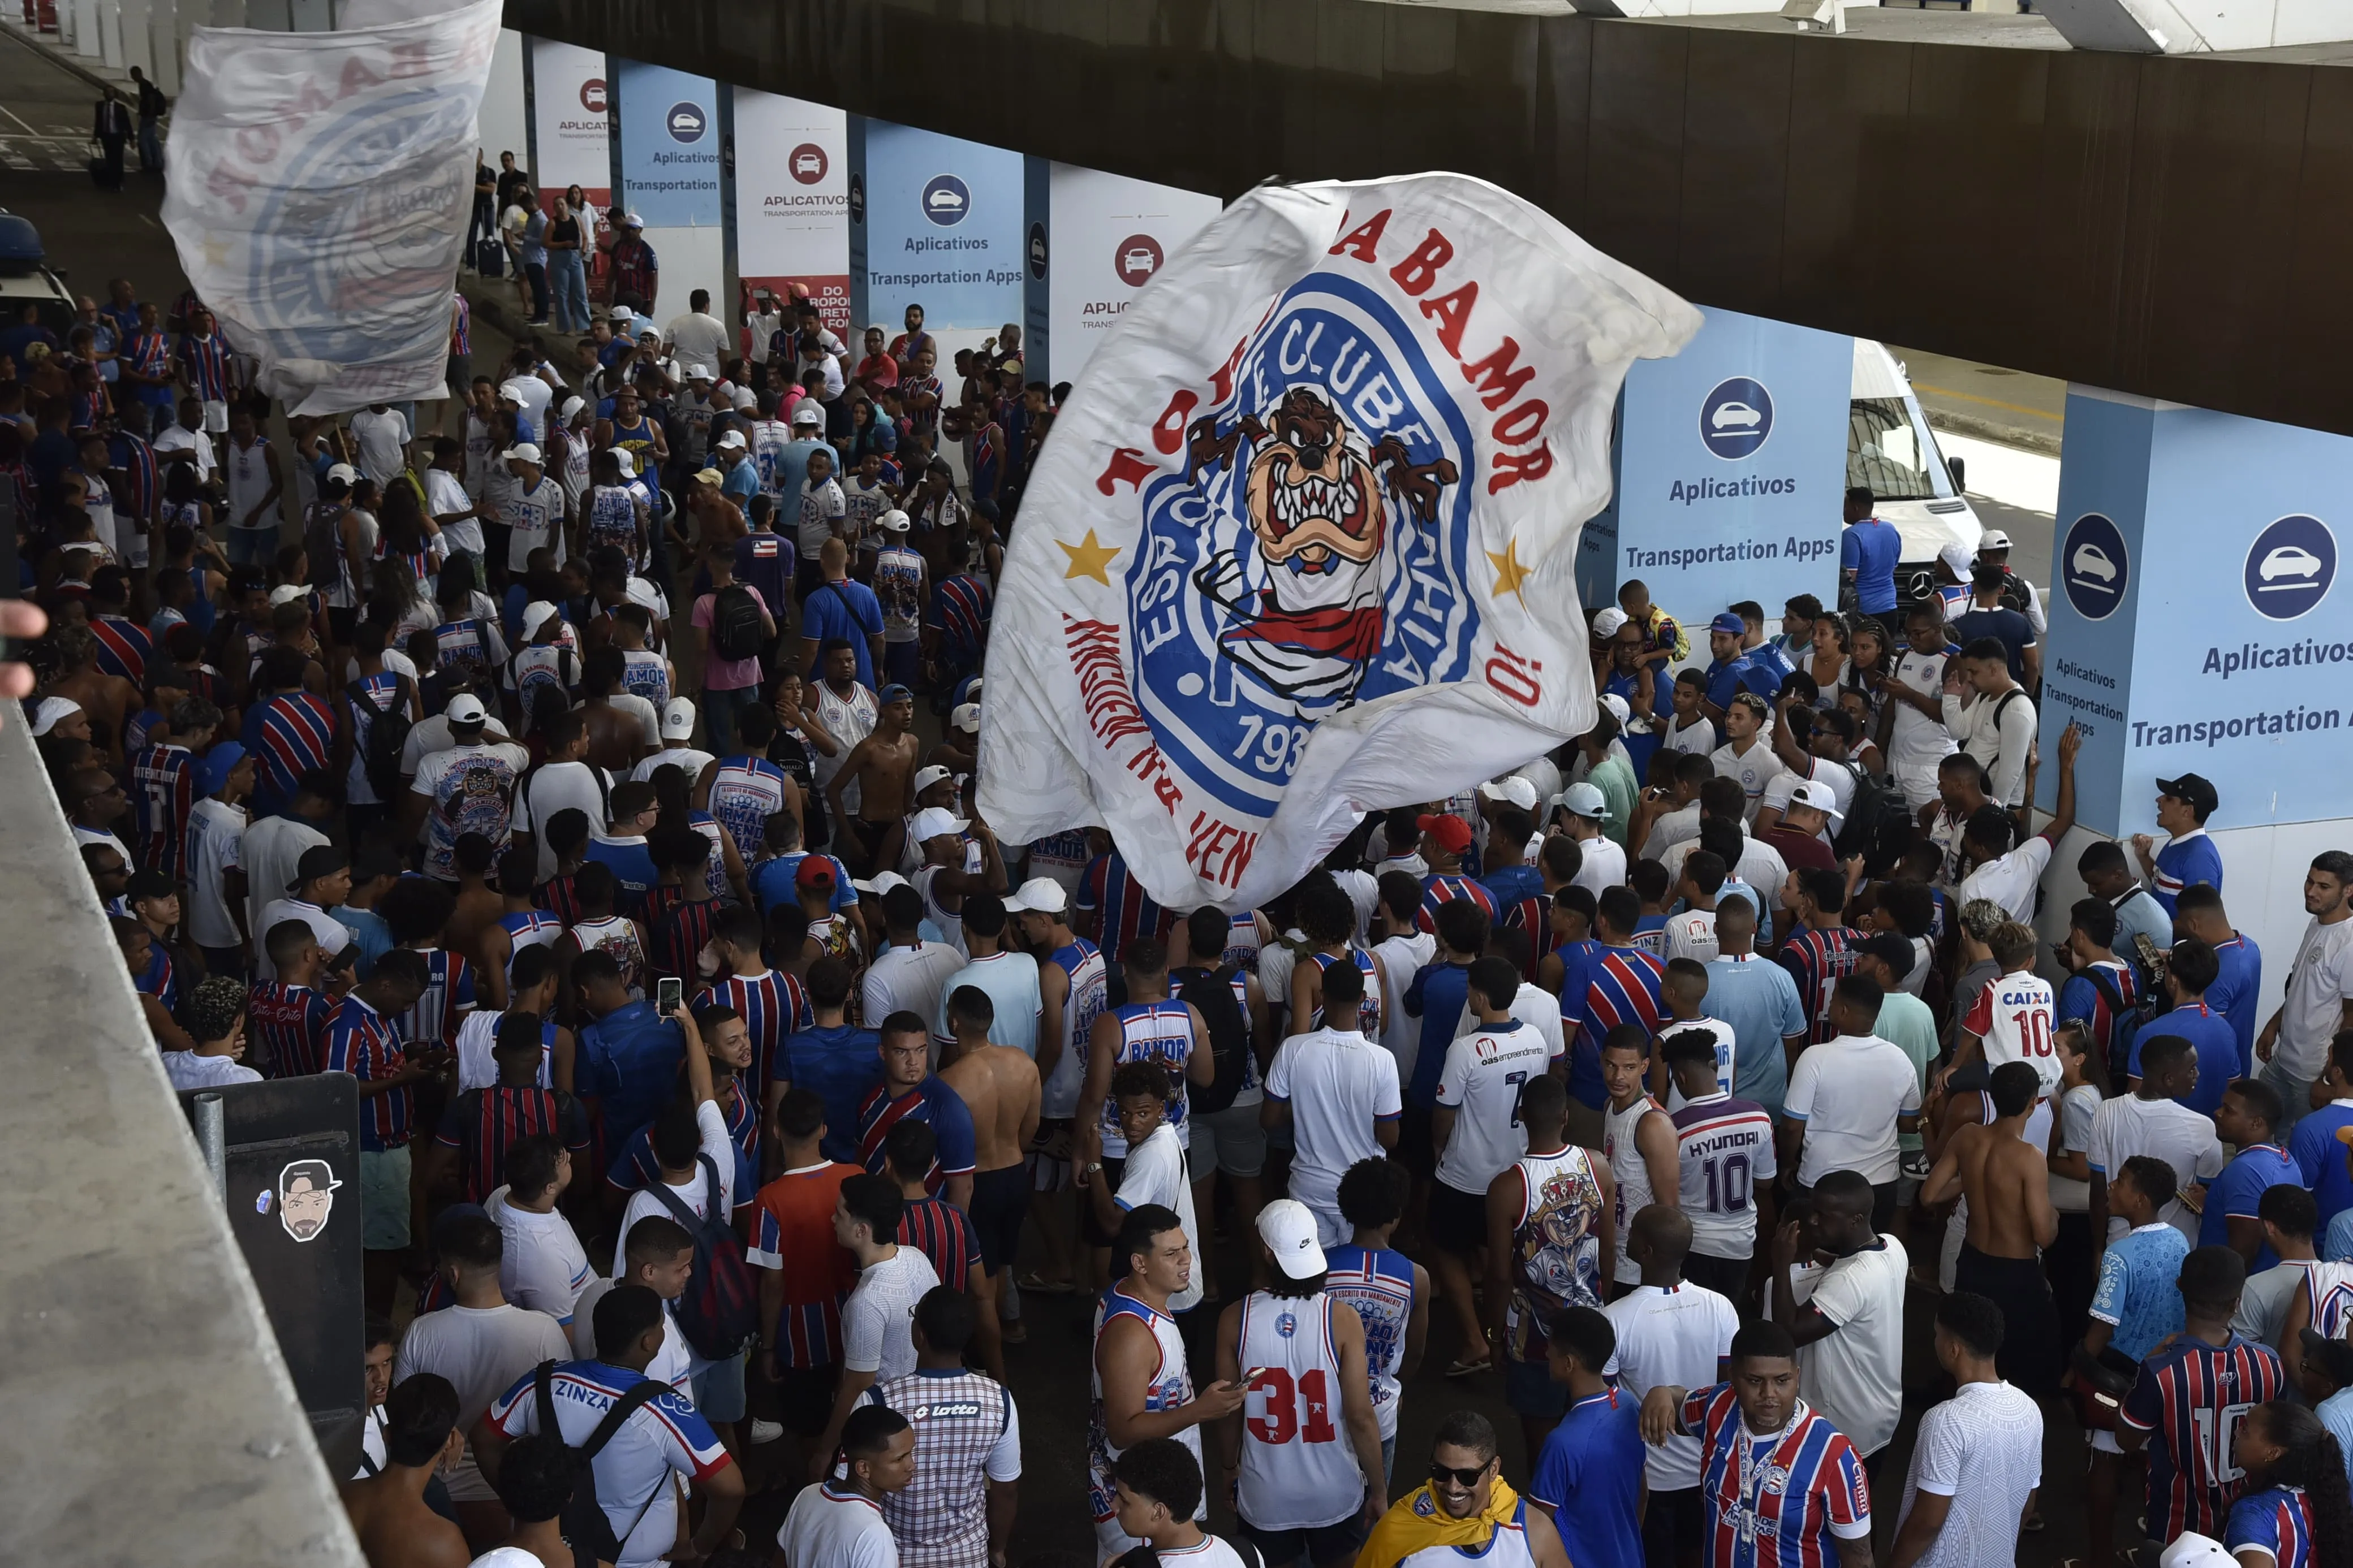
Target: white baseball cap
[1513, 788]
[933, 822]
[521, 452]
[1610, 622]
[287, 592]
[882, 882]
[1815, 794]
[1619, 708]
[1288, 1228]
[698, 372]
[466, 708]
[926, 777]
[628, 463]
[967, 716]
[571, 410]
[1039, 896]
[633, 221]
[1583, 800]
[1992, 539]
[343, 473]
[50, 711]
[1955, 557]
[515, 391]
[536, 615]
[733, 439]
[622, 313]
[2191, 1550]
[677, 720]
[807, 413]
[895, 522]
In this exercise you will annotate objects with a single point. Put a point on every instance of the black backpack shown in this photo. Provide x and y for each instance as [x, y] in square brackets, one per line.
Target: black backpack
[719, 1312]
[1212, 992]
[387, 735]
[1868, 812]
[584, 1525]
[736, 631]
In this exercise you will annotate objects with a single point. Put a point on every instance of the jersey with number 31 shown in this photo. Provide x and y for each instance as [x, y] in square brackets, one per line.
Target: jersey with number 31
[2013, 1016]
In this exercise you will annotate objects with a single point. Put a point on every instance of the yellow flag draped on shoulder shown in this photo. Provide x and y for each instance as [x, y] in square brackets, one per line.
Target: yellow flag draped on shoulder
[1416, 1523]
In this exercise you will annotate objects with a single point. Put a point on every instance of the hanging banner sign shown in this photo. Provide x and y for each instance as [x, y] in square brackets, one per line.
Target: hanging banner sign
[571, 124]
[792, 202]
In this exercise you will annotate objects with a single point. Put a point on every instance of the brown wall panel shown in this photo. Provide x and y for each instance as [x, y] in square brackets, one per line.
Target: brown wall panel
[2170, 226]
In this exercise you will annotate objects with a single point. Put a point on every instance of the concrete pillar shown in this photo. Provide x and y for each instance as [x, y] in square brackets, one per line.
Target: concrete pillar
[2194, 626]
[138, 37]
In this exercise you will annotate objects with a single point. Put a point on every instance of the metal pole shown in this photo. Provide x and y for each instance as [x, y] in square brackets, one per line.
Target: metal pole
[212, 1140]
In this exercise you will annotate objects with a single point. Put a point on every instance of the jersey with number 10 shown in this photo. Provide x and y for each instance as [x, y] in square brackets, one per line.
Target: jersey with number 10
[2192, 1397]
[1723, 1149]
[2013, 1016]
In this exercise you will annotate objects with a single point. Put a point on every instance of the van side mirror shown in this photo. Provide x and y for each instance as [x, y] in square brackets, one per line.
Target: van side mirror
[1957, 467]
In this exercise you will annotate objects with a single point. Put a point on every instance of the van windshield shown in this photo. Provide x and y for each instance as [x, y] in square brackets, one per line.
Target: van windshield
[1882, 451]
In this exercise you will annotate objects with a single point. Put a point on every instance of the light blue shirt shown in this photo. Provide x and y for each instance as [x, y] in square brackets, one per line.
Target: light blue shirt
[1010, 979]
[1759, 1000]
[2336, 1247]
[2140, 1295]
[2335, 1413]
[2141, 915]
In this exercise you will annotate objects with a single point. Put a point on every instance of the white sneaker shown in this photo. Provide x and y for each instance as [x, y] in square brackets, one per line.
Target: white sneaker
[767, 1431]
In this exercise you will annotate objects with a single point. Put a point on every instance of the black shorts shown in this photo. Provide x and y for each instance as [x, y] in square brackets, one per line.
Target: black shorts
[1000, 1198]
[341, 621]
[1727, 1277]
[805, 1397]
[1458, 1220]
[1322, 1545]
[1674, 1529]
[1414, 1143]
[1090, 1232]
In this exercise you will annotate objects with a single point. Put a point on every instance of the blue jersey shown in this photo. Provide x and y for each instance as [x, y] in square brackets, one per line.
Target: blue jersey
[1589, 1474]
[2277, 1520]
[1436, 995]
[2192, 1399]
[2139, 1295]
[2218, 1052]
[2234, 991]
[2185, 862]
[773, 882]
[2320, 1158]
[840, 1065]
[2253, 1172]
[933, 1101]
[1437, 889]
[1869, 550]
[630, 1061]
[1780, 1508]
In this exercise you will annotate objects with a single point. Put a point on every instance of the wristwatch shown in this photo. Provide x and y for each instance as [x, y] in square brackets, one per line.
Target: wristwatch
[1092, 1166]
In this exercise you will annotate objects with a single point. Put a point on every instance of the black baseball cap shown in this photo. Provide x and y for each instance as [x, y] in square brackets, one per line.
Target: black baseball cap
[319, 860]
[2335, 1356]
[2192, 791]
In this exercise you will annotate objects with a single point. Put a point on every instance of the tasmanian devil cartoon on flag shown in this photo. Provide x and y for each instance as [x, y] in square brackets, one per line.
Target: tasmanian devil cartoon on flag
[1303, 544]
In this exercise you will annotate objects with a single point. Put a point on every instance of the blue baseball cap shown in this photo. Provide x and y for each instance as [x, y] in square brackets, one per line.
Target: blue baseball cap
[895, 693]
[1728, 622]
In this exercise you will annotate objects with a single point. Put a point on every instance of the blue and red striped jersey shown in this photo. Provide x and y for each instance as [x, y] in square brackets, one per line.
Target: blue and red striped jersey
[2085, 998]
[2277, 1520]
[462, 326]
[773, 1007]
[483, 1124]
[140, 486]
[1600, 989]
[204, 361]
[1109, 889]
[365, 1043]
[160, 979]
[2191, 1397]
[792, 1231]
[149, 354]
[123, 648]
[558, 896]
[937, 1229]
[448, 997]
[930, 1100]
[288, 1023]
[960, 611]
[291, 733]
[675, 938]
[1778, 1502]
[163, 796]
[1817, 960]
[1444, 889]
[1532, 918]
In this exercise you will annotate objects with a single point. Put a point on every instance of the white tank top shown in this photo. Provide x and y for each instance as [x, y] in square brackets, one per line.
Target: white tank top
[1632, 1176]
[1298, 1471]
[1160, 1032]
[617, 935]
[248, 469]
[1506, 1548]
[1171, 1388]
[1082, 962]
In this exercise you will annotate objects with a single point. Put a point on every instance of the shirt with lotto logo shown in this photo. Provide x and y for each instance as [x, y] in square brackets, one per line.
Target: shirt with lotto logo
[1481, 1083]
[2013, 1017]
[2192, 1399]
[2139, 1294]
[663, 1436]
[967, 1434]
[1774, 1499]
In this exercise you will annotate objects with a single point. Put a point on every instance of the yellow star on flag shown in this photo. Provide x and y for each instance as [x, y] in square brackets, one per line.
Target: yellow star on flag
[1509, 573]
[1089, 558]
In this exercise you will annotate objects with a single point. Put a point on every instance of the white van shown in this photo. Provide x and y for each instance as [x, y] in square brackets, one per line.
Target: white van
[1890, 447]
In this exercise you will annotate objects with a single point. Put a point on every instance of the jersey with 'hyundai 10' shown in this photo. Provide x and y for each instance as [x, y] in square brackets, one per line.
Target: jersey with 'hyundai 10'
[1724, 1147]
[2192, 1399]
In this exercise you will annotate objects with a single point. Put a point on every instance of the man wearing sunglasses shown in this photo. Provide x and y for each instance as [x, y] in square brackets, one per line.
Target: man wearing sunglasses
[1784, 1488]
[1466, 1509]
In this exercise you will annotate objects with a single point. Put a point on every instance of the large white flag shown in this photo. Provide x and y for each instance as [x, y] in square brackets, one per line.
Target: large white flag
[317, 187]
[1302, 545]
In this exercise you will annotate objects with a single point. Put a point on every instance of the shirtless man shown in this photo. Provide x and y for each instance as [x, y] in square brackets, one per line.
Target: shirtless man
[478, 909]
[106, 699]
[421, 1439]
[882, 765]
[616, 737]
[999, 1086]
[2001, 1168]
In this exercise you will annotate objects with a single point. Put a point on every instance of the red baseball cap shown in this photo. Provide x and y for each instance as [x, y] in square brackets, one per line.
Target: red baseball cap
[816, 874]
[1450, 832]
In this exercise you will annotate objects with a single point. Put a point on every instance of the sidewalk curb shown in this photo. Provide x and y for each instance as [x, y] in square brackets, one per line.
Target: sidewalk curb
[1981, 429]
[64, 59]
